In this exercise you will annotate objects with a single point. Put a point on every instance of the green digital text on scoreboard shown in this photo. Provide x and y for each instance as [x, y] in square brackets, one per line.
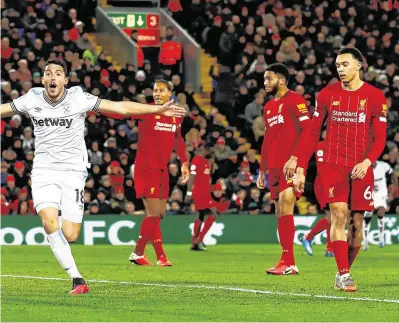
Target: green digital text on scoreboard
[135, 20]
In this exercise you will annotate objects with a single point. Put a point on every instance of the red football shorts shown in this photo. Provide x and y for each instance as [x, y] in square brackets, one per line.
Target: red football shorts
[339, 187]
[278, 182]
[203, 201]
[151, 183]
[319, 192]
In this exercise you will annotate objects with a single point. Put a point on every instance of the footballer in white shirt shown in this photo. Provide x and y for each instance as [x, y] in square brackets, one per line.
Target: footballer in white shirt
[381, 170]
[60, 163]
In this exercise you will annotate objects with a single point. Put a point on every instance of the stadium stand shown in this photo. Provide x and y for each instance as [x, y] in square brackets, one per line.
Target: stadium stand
[239, 44]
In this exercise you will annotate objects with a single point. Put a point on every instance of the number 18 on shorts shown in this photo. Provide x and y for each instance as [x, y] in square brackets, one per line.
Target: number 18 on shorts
[63, 190]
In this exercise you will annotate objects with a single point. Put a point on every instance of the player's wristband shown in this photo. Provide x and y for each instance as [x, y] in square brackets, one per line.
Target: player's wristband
[189, 193]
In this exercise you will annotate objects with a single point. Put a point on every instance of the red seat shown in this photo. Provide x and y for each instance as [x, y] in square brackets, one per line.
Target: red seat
[170, 53]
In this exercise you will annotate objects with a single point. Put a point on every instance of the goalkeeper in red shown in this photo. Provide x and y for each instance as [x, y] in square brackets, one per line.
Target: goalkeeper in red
[286, 118]
[355, 113]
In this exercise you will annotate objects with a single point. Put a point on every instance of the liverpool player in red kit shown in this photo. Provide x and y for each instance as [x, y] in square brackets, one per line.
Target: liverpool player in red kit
[286, 117]
[355, 113]
[158, 137]
[324, 223]
[199, 189]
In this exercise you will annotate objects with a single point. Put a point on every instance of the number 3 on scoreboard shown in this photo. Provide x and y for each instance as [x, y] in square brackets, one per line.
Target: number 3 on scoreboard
[81, 196]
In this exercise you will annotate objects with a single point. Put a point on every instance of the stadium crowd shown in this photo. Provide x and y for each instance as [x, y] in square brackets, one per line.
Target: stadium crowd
[305, 36]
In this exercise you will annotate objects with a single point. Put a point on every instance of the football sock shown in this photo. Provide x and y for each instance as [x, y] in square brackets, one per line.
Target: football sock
[320, 226]
[366, 227]
[352, 254]
[340, 249]
[207, 225]
[196, 230]
[144, 235]
[380, 229]
[156, 239]
[60, 222]
[286, 232]
[62, 251]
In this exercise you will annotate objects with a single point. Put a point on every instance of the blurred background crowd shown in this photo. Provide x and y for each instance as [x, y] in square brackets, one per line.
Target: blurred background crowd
[245, 36]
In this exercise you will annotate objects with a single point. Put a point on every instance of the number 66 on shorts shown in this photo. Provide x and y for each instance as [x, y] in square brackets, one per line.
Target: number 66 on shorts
[339, 187]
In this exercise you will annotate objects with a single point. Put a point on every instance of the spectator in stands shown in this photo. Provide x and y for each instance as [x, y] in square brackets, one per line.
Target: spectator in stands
[4, 172]
[254, 110]
[222, 151]
[130, 209]
[95, 156]
[6, 50]
[229, 138]
[94, 208]
[11, 188]
[213, 36]
[21, 179]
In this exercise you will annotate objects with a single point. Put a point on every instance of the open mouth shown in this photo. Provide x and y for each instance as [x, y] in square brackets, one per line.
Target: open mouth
[53, 86]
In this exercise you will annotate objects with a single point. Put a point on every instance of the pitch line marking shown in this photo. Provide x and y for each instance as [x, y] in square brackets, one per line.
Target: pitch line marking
[226, 288]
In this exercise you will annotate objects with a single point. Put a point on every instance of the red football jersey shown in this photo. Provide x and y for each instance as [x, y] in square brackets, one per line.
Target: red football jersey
[158, 137]
[285, 119]
[356, 125]
[320, 152]
[202, 170]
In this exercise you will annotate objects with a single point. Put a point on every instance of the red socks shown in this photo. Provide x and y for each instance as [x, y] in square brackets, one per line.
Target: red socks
[157, 238]
[196, 230]
[207, 225]
[286, 232]
[144, 235]
[352, 254]
[340, 249]
[150, 230]
[320, 226]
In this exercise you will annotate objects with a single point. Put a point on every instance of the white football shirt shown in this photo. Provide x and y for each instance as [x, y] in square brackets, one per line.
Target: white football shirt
[58, 127]
[380, 177]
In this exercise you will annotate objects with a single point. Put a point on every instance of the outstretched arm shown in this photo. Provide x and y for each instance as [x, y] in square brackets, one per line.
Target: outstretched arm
[127, 108]
[6, 110]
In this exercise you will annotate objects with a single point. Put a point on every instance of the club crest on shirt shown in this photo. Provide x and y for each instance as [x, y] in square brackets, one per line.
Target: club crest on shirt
[152, 190]
[66, 108]
[384, 109]
[362, 104]
[331, 192]
[157, 117]
[335, 103]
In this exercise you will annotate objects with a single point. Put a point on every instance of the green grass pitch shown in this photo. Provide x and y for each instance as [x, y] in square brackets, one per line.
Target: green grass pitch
[227, 283]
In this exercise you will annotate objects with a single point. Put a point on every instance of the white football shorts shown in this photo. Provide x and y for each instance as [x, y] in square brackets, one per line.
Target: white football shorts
[60, 189]
[380, 201]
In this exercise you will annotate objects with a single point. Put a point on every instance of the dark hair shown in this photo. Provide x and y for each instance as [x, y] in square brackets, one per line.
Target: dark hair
[353, 51]
[167, 83]
[279, 69]
[59, 62]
